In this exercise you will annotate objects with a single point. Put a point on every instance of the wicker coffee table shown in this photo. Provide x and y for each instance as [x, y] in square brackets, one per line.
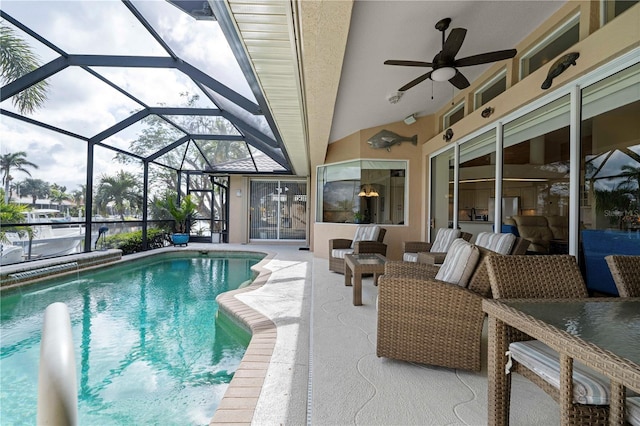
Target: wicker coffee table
[358, 264]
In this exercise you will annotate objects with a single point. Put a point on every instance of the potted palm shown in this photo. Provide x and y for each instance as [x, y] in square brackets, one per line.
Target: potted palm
[182, 213]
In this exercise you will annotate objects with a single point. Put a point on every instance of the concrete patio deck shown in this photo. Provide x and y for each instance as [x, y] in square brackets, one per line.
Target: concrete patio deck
[312, 357]
[324, 370]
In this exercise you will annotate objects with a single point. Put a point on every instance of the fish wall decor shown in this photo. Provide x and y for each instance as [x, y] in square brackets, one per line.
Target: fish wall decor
[559, 67]
[386, 139]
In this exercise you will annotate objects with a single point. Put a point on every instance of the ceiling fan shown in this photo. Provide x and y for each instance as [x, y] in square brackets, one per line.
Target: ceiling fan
[445, 65]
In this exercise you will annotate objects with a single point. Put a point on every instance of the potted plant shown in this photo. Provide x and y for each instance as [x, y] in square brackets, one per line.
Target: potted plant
[182, 213]
[358, 217]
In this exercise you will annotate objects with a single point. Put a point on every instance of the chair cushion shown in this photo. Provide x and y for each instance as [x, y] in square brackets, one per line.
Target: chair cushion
[633, 410]
[459, 264]
[340, 253]
[365, 233]
[444, 238]
[410, 257]
[589, 386]
[500, 243]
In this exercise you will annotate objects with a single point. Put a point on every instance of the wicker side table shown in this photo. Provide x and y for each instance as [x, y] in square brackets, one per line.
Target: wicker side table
[359, 264]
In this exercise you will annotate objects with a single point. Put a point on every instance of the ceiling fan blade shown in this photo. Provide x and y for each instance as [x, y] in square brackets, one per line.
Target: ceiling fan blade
[459, 80]
[412, 83]
[408, 63]
[485, 58]
[453, 43]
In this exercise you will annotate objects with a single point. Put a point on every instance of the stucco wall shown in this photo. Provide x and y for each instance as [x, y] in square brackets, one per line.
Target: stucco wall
[618, 37]
[355, 146]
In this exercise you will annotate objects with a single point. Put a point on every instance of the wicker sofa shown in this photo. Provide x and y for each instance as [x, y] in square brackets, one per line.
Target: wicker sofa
[338, 247]
[428, 321]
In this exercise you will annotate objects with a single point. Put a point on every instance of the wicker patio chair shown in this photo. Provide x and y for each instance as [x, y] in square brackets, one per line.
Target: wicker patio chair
[545, 277]
[368, 239]
[626, 274]
[422, 319]
[501, 243]
[438, 249]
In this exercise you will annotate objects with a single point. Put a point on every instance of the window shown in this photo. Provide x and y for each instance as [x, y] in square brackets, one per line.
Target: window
[453, 116]
[557, 42]
[477, 172]
[491, 89]
[613, 8]
[442, 170]
[362, 191]
[610, 169]
[535, 173]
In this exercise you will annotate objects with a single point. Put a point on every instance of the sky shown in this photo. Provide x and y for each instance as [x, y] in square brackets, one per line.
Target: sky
[82, 104]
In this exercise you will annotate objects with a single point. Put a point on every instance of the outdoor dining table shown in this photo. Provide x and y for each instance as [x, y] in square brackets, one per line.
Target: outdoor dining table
[602, 333]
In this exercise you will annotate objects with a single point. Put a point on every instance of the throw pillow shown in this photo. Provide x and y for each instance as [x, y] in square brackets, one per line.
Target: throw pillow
[444, 238]
[365, 233]
[500, 243]
[459, 264]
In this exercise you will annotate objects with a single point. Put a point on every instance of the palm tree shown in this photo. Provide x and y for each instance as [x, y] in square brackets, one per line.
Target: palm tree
[120, 189]
[77, 196]
[13, 161]
[17, 60]
[36, 188]
[57, 195]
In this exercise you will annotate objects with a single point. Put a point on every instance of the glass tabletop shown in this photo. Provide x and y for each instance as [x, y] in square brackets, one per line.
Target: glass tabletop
[368, 258]
[611, 325]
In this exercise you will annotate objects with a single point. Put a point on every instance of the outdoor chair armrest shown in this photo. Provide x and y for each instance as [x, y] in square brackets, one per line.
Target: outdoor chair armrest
[415, 246]
[430, 258]
[339, 243]
[429, 322]
[410, 269]
[370, 247]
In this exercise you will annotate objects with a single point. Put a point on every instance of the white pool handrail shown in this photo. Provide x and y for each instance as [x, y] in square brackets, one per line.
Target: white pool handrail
[57, 385]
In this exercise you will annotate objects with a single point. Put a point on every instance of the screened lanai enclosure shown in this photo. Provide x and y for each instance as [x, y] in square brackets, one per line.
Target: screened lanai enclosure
[110, 106]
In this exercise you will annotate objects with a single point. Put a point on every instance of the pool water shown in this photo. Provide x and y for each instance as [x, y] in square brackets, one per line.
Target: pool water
[149, 346]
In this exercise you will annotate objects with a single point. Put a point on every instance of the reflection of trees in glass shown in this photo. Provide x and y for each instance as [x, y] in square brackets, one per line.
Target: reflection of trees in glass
[121, 189]
[16, 60]
[621, 205]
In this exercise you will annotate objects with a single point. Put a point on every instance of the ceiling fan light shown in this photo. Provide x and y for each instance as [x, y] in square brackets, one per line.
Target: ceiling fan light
[443, 74]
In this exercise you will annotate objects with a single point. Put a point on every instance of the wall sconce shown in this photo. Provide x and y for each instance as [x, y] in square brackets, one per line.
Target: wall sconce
[238, 192]
[486, 113]
[448, 135]
[368, 191]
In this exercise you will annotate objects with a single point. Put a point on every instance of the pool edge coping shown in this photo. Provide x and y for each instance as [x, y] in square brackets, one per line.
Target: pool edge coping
[239, 402]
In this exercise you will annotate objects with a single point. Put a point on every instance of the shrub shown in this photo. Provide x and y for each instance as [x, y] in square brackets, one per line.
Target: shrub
[131, 242]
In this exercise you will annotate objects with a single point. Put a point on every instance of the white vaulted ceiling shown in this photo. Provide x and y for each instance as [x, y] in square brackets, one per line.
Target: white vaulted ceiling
[320, 62]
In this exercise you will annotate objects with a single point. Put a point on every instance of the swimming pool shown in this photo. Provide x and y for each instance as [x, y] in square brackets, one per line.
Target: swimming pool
[149, 348]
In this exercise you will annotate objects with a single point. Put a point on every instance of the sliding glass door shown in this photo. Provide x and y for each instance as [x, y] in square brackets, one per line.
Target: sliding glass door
[278, 210]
